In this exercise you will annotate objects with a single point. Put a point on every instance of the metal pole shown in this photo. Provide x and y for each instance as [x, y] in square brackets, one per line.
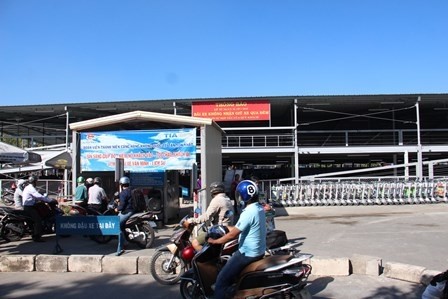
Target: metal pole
[419, 169]
[66, 185]
[296, 145]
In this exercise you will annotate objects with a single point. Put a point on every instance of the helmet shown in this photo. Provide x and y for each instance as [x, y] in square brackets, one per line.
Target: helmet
[217, 231]
[32, 179]
[246, 190]
[89, 181]
[80, 180]
[21, 184]
[217, 187]
[124, 180]
[188, 253]
[97, 180]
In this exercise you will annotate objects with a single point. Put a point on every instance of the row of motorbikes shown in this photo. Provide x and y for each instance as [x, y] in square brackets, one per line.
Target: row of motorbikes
[15, 224]
[282, 273]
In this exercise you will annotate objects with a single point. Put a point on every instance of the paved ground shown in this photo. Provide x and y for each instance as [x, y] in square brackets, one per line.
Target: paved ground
[408, 234]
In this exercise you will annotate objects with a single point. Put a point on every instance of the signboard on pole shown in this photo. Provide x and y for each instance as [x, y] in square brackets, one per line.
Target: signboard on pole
[142, 151]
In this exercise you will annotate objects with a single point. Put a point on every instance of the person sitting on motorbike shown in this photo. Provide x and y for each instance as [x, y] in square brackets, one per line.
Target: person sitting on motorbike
[30, 197]
[18, 194]
[97, 196]
[251, 233]
[81, 195]
[220, 211]
[124, 209]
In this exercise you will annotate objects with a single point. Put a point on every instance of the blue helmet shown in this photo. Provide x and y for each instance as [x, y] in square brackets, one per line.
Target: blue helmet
[246, 190]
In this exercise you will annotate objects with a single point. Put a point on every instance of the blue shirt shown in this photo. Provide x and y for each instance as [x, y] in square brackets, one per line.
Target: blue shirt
[252, 224]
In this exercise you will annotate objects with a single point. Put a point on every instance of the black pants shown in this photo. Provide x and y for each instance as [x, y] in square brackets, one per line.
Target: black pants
[37, 220]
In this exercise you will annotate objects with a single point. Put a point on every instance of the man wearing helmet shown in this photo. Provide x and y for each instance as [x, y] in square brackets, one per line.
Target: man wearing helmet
[30, 197]
[124, 210]
[251, 233]
[220, 211]
[18, 194]
[97, 195]
[81, 195]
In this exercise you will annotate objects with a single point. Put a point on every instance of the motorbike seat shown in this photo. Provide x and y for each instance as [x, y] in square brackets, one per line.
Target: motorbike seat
[265, 263]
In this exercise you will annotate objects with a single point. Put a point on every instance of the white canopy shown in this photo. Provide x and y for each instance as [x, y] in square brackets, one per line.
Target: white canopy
[15, 155]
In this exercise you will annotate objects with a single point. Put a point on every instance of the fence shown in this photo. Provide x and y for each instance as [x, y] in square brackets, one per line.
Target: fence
[336, 193]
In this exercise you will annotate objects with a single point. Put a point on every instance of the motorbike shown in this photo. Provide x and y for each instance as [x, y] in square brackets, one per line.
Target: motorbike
[8, 196]
[15, 224]
[172, 260]
[274, 276]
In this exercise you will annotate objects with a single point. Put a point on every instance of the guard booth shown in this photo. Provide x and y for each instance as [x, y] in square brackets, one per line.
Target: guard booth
[154, 148]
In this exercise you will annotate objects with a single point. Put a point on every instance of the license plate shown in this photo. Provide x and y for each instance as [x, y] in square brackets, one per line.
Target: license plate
[153, 224]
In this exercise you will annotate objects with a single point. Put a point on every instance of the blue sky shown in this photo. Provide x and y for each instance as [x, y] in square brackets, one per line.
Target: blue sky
[61, 51]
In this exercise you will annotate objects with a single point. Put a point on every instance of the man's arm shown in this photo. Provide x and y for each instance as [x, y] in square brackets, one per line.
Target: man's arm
[233, 233]
[212, 209]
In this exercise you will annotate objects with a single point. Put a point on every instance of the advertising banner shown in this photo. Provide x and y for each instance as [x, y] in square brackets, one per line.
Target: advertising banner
[142, 151]
[232, 110]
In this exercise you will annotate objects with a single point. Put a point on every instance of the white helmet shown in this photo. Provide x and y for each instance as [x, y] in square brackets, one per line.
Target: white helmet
[21, 184]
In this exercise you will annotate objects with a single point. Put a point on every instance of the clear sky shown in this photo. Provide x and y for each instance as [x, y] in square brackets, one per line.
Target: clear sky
[73, 51]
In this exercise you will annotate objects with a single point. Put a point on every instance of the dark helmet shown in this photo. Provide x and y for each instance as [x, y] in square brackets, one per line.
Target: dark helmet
[246, 190]
[217, 231]
[80, 180]
[217, 187]
[188, 253]
[124, 180]
[97, 180]
[32, 179]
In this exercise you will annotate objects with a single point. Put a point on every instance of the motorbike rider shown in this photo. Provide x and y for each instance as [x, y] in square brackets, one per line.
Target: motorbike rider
[124, 209]
[81, 195]
[220, 211]
[251, 233]
[18, 200]
[97, 196]
[30, 197]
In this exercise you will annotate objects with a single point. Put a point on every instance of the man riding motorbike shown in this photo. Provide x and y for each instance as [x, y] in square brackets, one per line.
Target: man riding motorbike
[30, 198]
[220, 211]
[251, 233]
[18, 194]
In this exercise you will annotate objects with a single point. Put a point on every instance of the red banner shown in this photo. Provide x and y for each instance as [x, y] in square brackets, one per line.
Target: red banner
[232, 110]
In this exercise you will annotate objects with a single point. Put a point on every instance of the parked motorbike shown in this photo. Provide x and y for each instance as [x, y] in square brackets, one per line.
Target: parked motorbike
[274, 276]
[8, 196]
[15, 224]
[139, 228]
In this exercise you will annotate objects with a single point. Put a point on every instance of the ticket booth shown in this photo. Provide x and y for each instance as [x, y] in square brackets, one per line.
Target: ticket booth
[154, 147]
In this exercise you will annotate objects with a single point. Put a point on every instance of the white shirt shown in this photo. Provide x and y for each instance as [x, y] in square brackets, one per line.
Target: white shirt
[30, 196]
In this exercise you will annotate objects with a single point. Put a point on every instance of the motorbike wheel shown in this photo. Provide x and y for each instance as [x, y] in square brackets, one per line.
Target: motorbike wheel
[190, 290]
[147, 242]
[164, 272]
[11, 235]
[101, 239]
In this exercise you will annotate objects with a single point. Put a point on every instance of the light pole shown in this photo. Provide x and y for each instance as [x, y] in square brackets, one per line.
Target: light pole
[419, 168]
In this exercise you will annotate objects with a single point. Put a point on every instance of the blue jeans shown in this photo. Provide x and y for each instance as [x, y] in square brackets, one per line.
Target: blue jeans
[121, 238]
[230, 272]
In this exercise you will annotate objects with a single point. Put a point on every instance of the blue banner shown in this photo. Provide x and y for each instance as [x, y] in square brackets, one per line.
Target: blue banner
[142, 151]
[87, 225]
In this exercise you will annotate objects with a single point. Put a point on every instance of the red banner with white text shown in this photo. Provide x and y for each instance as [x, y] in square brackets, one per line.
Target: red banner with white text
[232, 110]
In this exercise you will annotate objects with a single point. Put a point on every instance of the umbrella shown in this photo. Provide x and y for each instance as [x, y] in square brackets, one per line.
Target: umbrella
[14, 155]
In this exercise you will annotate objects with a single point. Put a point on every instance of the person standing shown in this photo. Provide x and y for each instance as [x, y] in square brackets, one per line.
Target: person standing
[235, 182]
[124, 209]
[18, 194]
[251, 233]
[81, 195]
[30, 198]
[219, 211]
[97, 196]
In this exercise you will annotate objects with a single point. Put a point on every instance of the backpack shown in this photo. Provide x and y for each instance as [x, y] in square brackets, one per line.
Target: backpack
[138, 201]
